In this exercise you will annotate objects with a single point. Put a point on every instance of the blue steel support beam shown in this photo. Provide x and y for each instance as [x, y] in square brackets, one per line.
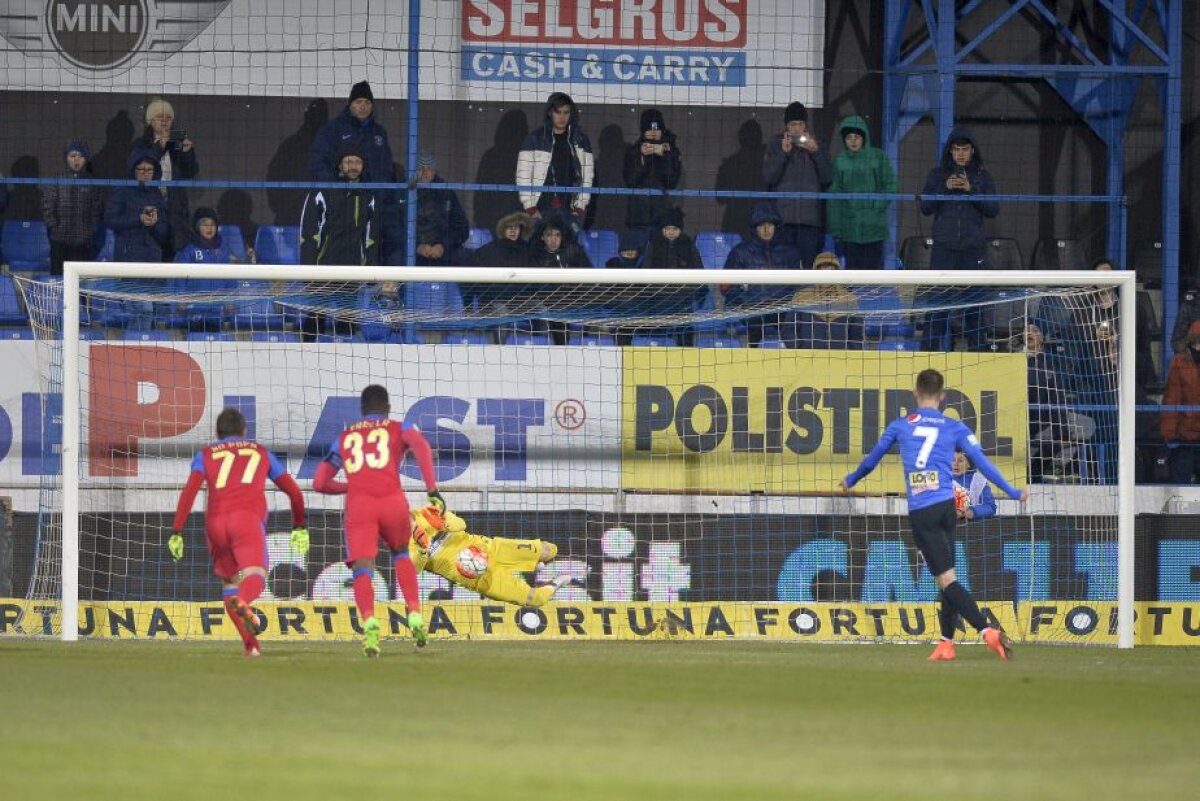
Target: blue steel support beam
[1172, 133]
[947, 62]
[414, 123]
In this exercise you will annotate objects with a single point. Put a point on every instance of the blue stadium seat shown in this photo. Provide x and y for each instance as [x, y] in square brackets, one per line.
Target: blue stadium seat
[261, 314]
[589, 340]
[653, 341]
[772, 344]
[210, 336]
[468, 338]
[109, 248]
[478, 238]
[26, 246]
[716, 341]
[898, 344]
[12, 312]
[527, 338]
[207, 314]
[274, 336]
[231, 235]
[883, 299]
[117, 313]
[338, 339]
[144, 335]
[714, 247]
[439, 301]
[16, 333]
[91, 335]
[278, 244]
[600, 244]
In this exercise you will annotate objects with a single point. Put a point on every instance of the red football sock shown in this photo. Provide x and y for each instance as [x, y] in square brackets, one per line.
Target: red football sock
[364, 594]
[247, 636]
[406, 580]
[251, 587]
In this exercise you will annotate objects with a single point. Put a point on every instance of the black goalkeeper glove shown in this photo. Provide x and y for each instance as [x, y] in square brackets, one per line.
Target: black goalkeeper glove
[437, 500]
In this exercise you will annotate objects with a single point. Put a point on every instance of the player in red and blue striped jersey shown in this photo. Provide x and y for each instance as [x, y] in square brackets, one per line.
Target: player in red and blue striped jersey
[236, 470]
[370, 452]
[927, 440]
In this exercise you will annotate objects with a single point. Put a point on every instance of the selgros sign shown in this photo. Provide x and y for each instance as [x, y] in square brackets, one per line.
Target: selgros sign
[705, 52]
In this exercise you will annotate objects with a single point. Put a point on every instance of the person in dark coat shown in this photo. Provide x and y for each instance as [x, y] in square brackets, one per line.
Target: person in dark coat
[72, 211]
[670, 248]
[629, 251]
[651, 163]
[442, 225]
[510, 247]
[762, 250]
[554, 244]
[958, 235]
[176, 156]
[137, 214]
[795, 162]
[349, 225]
[355, 126]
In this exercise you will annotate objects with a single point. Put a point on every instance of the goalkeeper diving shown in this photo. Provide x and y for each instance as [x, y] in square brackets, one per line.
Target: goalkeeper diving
[440, 536]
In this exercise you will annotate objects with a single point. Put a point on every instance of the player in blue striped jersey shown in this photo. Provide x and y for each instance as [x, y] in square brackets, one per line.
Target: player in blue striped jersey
[927, 440]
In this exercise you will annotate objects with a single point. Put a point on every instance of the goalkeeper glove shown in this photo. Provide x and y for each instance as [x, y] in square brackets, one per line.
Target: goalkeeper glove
[436, 499]
[300, 540]
[175, 546]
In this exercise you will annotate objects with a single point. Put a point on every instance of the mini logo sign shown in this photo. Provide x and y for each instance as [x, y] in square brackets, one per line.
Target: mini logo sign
[97, 36]
[105, 37]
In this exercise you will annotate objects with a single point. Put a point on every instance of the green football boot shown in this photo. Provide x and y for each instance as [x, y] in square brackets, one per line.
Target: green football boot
[371, 637]
[416, 625]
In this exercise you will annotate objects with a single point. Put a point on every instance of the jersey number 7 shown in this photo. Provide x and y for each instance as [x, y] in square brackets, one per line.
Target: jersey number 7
[376, 458]
[930, 435]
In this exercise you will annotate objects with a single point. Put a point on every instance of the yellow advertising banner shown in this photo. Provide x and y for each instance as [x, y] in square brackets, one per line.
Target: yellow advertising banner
[305, 621]
[1095, 622]
[787, 421]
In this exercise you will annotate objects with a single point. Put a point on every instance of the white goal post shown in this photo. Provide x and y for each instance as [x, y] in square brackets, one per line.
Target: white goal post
[73, 354]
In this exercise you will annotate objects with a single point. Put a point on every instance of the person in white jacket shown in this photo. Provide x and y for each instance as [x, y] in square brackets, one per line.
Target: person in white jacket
[558, 154]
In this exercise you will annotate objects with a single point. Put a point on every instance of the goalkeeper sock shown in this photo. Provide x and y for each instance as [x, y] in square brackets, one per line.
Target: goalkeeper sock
[251, 587]
[946, 615]
[247, 636]
[406, 580]
[364, 593]
[965, 605]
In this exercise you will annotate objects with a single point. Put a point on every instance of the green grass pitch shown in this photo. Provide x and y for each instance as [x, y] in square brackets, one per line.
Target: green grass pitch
[665, 720]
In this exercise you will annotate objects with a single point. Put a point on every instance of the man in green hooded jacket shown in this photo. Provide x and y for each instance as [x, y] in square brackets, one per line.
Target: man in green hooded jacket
[860, 226]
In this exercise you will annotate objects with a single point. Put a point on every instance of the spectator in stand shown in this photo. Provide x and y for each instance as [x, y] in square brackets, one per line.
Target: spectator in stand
[177, 162]
[349, 225]
[206, 246]
[442, 225]
[138, 214]
[763, 250]
[651, 163]
[1189, 312]
[71, 211]
[1181, 430]
[558, 154]
[827, 321]
[860, 226]
[629, 251]
[1055, 430]
[794, 162]
[355, 126]
[978, 503]
[670, 248]
[510, 247]
[555, 245]
[958, 237]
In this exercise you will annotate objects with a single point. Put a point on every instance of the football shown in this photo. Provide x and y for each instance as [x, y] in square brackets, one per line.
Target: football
[472, 562]
[962, 497]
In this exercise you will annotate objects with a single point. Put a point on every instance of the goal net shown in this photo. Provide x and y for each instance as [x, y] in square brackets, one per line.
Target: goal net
[680, 442]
